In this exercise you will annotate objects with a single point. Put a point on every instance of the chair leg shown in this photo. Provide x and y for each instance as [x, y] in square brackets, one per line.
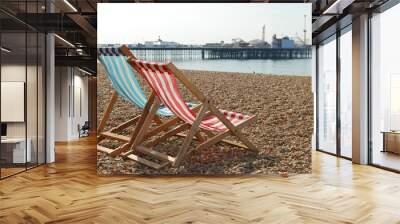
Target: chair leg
[213, 140]
[199, 137]
[142, 118]
[107, 112]
[195, 126]
[246, 141]
[242, 137]
[126, 124]
[163, 126]
[168, 134]
[157, 120]
[142, 130]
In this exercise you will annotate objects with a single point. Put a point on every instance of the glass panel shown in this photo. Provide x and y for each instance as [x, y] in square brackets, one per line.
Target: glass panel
[32, 88]
[23, 81]
[31, 98]
[13, 85]
[327, 97]
[386, 89]
[346, 94]
[41, 99]
[314, 85]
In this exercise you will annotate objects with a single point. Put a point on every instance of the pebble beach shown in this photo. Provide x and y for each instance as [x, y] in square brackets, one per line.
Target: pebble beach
[282, 131]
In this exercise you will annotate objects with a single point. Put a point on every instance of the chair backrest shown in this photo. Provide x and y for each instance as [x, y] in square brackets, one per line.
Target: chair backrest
[161, 79]
[163, 82]
[122, 76]
[86, 125]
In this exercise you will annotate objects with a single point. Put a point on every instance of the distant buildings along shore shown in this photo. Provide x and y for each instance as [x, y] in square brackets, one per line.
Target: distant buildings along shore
[283, 42]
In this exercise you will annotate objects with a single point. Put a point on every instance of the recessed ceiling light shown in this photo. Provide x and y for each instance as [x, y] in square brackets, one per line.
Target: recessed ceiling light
[5, 50]
[84, 71]
[64, 40]
[338, 6]
[70, 5]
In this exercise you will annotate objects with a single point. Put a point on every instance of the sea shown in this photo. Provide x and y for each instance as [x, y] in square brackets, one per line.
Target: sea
[292, 67]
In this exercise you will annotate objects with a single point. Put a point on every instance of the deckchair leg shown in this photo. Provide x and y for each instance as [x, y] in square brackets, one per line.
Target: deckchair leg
[199, 137]
[211, 135]
[143, 128]
[189, 137]
[128, 140]
[242, 137]
[143, 116]
[125, 124]
[168, 124]
[213, 140]
[107, 112]
[168, 134]
[163, 126]
[245, 141]
[120, 127]
[157, 120]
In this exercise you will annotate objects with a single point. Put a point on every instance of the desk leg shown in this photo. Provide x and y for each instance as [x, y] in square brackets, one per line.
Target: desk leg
[384, 142]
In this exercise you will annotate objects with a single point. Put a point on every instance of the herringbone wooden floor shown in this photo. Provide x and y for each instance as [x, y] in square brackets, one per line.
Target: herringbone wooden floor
[71, 192]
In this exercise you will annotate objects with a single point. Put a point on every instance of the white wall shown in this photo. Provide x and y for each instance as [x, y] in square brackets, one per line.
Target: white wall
[16, 73]
[70, 83]
[61, 103]
[33, 126]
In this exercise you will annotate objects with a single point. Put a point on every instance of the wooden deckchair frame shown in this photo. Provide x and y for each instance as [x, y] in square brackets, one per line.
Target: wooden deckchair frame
[127, 141]
[207, 108]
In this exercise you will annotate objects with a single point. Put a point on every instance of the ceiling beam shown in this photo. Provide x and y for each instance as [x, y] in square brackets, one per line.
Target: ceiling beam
[320, 23]
[338, 6]
[78, 61]
[89, 30]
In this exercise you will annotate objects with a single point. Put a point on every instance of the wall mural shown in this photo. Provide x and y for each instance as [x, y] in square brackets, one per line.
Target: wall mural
[181, 93]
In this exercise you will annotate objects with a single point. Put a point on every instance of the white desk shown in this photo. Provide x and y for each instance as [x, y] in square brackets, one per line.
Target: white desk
[18, 151]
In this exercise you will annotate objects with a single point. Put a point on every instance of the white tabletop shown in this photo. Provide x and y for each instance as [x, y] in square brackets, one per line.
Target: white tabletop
[13, 140]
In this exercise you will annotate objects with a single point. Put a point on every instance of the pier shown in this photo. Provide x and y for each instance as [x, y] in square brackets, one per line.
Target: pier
[190, 53]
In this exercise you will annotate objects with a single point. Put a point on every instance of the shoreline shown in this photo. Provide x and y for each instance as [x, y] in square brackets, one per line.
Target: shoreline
[282, 132]
[243, 73]
[292, 67]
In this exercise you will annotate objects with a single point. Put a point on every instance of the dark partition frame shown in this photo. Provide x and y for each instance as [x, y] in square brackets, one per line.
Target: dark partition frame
[334, 36]
[39, 44]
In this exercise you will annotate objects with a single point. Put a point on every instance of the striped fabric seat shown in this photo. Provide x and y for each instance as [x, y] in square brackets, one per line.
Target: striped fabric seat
[163, 82]
[123, 79]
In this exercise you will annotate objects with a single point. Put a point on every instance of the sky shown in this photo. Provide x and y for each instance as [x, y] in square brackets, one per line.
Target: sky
[190, 23]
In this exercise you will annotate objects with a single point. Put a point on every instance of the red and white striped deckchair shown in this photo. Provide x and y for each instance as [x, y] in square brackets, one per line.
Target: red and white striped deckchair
[216, 124]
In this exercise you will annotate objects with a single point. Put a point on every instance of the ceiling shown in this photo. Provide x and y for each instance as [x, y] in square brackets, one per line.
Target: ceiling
[76, 25]
[330, 15]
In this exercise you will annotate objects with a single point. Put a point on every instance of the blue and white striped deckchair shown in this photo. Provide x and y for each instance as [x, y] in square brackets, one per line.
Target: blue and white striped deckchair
[125, 84]
[123, 79]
